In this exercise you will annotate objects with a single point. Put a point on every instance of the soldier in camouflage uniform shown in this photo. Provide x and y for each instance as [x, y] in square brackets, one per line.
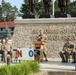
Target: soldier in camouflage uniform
[43, 38]
[67, 50]
[7, 49]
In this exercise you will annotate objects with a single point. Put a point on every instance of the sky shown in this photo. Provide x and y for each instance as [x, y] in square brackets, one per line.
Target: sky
[16, 3]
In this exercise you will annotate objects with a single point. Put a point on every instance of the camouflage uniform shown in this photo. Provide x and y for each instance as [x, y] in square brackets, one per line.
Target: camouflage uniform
[74, 56]
[43, 38]
[7, 50]
[67, 50]
[0, 46]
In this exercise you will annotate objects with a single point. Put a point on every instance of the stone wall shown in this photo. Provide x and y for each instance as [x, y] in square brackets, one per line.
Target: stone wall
[56, 29]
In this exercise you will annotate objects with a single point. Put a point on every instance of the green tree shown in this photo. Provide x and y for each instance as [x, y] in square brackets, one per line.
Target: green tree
[26, 9]
[72, 8]
[7, 12]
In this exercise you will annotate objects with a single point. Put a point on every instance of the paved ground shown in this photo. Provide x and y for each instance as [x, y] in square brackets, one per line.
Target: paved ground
[54, 64]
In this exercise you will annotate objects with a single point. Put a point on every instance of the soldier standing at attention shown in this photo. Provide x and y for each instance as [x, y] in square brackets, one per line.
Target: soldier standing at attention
[43, 38]
[7, 49]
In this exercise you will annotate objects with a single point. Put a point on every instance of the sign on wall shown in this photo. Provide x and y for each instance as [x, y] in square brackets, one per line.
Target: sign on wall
[25, 54]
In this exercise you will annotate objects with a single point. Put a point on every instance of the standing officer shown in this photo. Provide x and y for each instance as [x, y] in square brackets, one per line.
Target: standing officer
[43, 38]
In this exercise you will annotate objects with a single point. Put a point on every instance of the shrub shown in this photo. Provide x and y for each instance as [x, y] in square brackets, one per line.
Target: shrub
[34, 66]
[4, 70]
[25, 68]
[15, 70]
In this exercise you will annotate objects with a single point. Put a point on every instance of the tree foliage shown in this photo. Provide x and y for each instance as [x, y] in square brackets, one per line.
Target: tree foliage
[7, 12]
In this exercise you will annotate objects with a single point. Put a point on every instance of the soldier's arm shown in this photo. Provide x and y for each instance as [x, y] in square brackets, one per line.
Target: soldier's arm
[64, 47]
[3, 48]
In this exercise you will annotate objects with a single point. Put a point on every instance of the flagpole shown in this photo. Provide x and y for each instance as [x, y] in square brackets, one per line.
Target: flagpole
[53, 7]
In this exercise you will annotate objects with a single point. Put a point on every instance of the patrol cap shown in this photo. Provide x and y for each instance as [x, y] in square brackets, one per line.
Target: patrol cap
[41, 32]
[6, 40]
[68, 39]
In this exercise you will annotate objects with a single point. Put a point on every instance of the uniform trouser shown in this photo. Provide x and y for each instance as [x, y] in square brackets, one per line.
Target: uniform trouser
[64, 55]
[44, 52]
[74, 56]
[2, 52]
[5, 54]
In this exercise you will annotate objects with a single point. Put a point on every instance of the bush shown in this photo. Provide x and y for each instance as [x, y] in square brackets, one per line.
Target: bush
[34, 66]
[24, 68]
[4, 70]
[15, 70]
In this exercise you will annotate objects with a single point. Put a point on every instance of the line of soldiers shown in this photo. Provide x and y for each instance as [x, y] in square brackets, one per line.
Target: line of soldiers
[5, 48]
